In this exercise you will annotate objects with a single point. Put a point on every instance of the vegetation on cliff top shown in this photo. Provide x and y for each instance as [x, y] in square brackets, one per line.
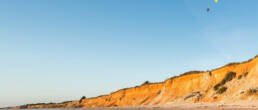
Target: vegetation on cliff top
[83, 97]
[222, 90]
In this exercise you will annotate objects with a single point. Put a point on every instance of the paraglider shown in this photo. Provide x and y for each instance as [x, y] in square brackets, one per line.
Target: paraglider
[208, 9]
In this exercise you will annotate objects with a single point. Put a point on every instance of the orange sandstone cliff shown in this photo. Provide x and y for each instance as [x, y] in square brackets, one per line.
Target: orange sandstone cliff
[231, 83]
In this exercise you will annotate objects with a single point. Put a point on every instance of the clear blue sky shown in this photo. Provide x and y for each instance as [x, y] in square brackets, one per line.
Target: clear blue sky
[59, 50]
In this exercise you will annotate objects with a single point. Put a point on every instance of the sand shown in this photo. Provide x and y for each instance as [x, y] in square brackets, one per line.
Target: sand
[179, 106]
[189, 106]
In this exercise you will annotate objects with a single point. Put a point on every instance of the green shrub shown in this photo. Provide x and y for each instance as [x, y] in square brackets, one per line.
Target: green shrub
[83, 97]
[252, 91]
[191, 95]
[245, 74]
[222, 90]
[240, 76]
[123, 95]
[144, 100]
[197, 94]
[65, 102]
[216, 87]
[23, 106]
[210, 73]
[228, 77]
[159, 92]
[146, 82]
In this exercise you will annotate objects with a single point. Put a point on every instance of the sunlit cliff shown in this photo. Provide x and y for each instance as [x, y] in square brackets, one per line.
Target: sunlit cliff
[231, 83]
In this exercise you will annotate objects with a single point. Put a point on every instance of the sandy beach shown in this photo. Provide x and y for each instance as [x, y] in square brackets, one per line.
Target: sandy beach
[189, 106]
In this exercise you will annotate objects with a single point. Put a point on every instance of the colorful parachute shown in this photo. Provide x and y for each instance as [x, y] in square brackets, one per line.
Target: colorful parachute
[208, 9]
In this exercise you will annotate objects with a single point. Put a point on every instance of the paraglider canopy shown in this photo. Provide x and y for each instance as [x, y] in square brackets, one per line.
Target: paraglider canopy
[208, 9]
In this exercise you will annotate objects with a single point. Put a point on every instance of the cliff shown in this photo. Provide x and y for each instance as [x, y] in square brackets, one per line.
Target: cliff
[231, 83]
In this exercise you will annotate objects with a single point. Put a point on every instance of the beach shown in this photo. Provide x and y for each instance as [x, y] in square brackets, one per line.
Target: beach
[189, 106]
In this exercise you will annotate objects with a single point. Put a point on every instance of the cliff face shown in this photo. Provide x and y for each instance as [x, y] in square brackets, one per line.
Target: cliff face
[231, 83]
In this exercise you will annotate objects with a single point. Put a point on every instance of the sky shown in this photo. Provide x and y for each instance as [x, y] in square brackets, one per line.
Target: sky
[60, 50]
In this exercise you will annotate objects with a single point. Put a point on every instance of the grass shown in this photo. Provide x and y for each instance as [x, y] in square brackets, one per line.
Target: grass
[228, 77]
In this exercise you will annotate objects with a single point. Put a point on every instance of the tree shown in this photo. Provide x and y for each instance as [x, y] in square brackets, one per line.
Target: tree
[146, 82]
[83, 97]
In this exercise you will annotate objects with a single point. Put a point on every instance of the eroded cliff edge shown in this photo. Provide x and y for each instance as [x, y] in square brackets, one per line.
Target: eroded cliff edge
[231, 83]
